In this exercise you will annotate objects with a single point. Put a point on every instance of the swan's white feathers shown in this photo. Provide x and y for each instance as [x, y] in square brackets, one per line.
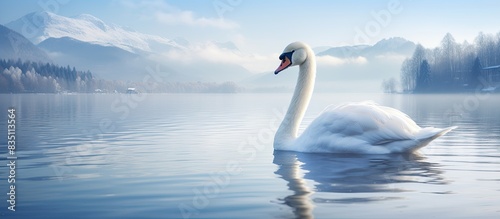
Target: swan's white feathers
[364, 127]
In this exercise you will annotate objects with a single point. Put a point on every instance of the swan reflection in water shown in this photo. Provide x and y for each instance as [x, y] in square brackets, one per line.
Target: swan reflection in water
[346, 173]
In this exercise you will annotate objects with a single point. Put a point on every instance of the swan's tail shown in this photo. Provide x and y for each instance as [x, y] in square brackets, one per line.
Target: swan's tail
[426, 135]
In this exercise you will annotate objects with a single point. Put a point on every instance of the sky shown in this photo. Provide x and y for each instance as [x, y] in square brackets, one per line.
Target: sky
[263, 27]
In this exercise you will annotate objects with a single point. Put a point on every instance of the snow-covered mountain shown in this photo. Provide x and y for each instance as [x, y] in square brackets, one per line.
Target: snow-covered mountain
[15, 46]
[40, 26]
[114, 52]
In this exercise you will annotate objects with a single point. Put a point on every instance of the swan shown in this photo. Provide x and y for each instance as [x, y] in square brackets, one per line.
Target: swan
[363, 128]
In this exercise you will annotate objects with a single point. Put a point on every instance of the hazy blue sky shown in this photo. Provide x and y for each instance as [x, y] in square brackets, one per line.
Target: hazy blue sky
[267, 26]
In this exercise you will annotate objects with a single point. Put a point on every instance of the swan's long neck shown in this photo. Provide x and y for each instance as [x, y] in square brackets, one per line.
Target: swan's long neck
[287, 132]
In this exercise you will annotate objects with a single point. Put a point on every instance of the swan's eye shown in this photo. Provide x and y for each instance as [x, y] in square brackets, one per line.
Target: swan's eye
[286, 55]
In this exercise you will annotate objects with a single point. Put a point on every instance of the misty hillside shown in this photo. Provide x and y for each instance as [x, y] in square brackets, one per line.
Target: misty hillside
[111, 62]
[72, 48]
[15, 46]
[35, 77]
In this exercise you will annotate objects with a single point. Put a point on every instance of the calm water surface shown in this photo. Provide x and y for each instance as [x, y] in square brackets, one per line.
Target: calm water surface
[211, 156]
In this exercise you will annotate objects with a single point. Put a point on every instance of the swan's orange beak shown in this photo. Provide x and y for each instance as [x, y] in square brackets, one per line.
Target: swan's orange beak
[285, 63]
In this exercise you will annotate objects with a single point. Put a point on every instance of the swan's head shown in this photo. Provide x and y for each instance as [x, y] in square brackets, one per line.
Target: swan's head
[294, 54]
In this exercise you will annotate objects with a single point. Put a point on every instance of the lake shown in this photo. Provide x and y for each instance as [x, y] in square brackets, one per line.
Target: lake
[211, 156]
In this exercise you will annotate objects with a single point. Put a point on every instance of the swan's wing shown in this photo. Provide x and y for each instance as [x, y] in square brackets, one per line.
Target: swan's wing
[359, 125]
[372, 117]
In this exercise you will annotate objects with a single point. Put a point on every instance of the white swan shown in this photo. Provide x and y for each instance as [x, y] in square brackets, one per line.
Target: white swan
[363, 127]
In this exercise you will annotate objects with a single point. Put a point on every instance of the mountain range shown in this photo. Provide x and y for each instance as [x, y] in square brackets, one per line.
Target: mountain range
[391, 46]
[114, 52]
[39, 26]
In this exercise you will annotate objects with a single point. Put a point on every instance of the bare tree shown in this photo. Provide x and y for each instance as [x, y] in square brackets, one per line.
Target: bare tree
[389, 85]
[406, 76]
